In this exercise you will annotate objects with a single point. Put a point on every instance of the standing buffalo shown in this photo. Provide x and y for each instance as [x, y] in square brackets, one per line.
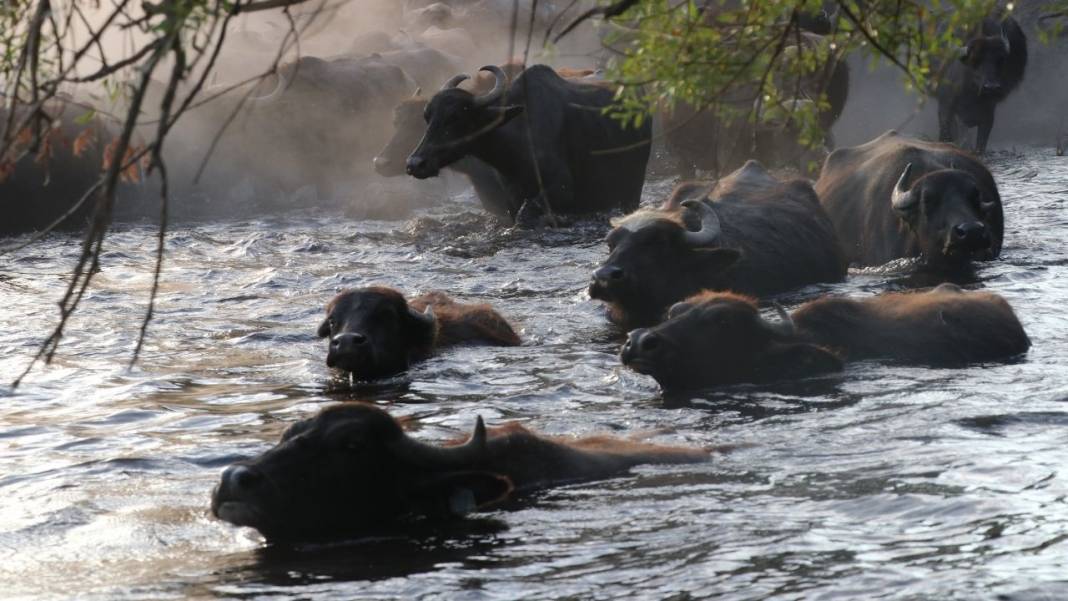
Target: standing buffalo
[720, 338]
[759, 236]
[991, 65]
[351, 470]
[375, 332]
[899, 197]
[565, 155]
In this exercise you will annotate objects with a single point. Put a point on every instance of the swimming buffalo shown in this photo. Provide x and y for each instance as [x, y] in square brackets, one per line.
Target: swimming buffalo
[564, 155]
[898, 197]
[352, 470]
[720, 338]
[753, 234]
[991, 66]
[375, 332]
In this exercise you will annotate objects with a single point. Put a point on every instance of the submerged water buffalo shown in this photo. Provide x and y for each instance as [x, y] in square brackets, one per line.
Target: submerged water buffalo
[375, 332]
[898, 197]
[352, 470]
[991, 66]
[698, 139]
[752, 234]
[720, 338]
[564, 155]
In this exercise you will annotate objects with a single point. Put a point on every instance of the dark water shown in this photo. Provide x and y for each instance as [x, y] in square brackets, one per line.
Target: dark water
[883, 482]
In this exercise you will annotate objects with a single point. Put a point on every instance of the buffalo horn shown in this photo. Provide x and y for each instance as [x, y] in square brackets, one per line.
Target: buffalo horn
[455, 81]
[427, 316]
[902, 197]
[710, 227]
[470, 452]
[1005, 40]
[785, 325]
[273, 94]
[498, 86]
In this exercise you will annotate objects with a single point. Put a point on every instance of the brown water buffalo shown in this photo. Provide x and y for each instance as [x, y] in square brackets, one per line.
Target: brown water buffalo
[991, 66]
[565, 154]
[718, 338]
[352, 470]
[752, 234]
[898, 197]
[375, 332]
[698, 139]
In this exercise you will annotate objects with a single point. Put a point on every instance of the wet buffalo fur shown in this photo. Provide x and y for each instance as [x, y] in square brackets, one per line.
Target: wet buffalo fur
[351, 470]
[991, 66]
[951, 186]
[564, 153]
[720, 338]
[774, 237]
[376, 332]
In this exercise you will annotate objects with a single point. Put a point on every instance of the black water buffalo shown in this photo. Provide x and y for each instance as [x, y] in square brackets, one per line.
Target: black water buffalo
[698, 139]
[718, 338]
[991, 66]
[898, 197]
[565, 152]
[752, 234]
[351, 470]
[376, 332]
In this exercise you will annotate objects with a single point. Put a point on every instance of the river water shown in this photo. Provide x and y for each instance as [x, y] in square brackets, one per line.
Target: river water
[881, 482]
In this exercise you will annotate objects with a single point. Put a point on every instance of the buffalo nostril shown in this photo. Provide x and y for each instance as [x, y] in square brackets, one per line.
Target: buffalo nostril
[381, 162]
[608, 273]
[415, 164]
[241, 477]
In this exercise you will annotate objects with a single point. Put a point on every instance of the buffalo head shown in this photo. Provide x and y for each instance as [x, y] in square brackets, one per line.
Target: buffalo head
[349, 471]
[456, 119]
[948, 213]
[373, 332]
[987, 58]
[718, 338]
[408, 129]
[655, 259]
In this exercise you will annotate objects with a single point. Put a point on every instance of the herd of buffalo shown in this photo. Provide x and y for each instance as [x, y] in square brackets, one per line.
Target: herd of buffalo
[684, 280]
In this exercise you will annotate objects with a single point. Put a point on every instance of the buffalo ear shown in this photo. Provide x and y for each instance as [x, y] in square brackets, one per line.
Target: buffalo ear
[800, 360]
[717, 259]
[459, 493]
[324, 328]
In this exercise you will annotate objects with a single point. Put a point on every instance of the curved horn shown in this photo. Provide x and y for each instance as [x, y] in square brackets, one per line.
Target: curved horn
[1005, 39]
[283, 83]
[498, 86]
[710, 227]
[785, 326]
[902, 197]
[455, 81]
[426, 317]
[466, 454]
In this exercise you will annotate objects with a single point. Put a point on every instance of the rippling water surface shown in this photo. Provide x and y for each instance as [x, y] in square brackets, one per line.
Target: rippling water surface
[882, 482]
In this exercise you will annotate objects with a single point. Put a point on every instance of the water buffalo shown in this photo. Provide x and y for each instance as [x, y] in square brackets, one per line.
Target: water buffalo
[565, 153]
[898, 197]
[376, 332]
[720, 338]
[698, 139]
[352, 470]
[753, 234]
[991, 66]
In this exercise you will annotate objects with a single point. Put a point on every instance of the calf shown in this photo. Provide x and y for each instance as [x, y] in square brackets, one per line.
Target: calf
[759, 236]
[375, 332]
[720, 338]
[351, 470]
[897, 197]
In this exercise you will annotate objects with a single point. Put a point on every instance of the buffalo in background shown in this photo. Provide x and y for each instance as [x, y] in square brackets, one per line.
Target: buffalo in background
[564, 156]
[898, 197]
[991, 66]
[717, 338]
[352, 471]
[752, 233]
